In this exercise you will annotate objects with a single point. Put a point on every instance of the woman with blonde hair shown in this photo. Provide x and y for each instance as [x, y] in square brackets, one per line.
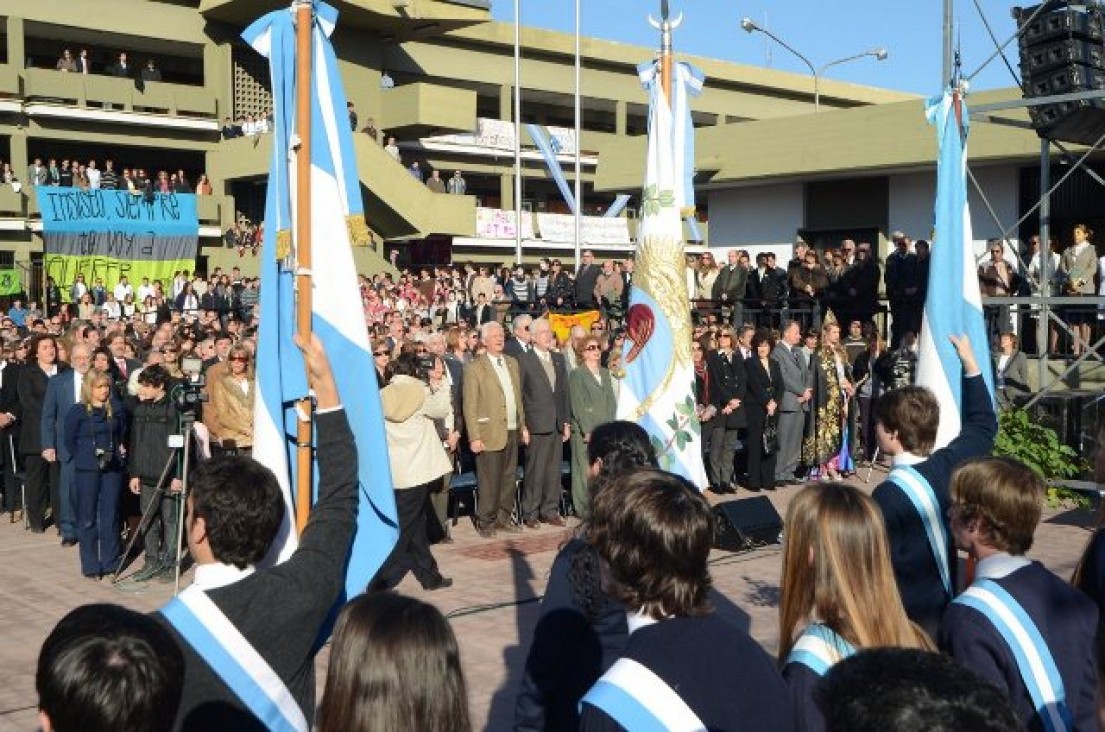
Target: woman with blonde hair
[704, 278]
[827, 447]
[94, 430]
[232, 396]
[838, 591]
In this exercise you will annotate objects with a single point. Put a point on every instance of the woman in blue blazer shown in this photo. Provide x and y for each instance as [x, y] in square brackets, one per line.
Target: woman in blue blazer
[94, 431]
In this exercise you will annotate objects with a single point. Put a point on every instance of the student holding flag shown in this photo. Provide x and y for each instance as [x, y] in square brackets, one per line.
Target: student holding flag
[250, 636]
[1018, 625]
[914, 498]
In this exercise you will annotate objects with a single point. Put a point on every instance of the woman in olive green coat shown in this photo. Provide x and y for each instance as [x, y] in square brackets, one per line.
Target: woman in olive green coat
[593, 403]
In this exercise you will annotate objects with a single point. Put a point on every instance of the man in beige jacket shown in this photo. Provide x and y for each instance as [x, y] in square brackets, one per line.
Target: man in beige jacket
[495, 419]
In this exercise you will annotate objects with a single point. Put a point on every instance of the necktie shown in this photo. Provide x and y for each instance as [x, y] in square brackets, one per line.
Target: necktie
[122, 364]
[546, 363]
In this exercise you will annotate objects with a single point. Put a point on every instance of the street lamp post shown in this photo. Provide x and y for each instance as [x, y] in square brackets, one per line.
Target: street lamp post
[879, 54]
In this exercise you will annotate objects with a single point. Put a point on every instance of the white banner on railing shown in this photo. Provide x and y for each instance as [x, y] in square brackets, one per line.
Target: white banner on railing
[592, 229]
[495, 223]
[498, 134]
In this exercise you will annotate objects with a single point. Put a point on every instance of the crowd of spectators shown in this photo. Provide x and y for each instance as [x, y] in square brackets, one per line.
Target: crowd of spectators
[471, 388]
[93, 175]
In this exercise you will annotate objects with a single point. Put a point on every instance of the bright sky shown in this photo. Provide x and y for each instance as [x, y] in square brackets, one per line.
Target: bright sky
[822, 30]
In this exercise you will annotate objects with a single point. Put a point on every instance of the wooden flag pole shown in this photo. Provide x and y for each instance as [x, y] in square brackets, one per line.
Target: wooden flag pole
[303, 56]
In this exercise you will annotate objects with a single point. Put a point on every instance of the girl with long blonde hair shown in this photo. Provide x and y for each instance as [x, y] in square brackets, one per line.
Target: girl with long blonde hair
[838, 590]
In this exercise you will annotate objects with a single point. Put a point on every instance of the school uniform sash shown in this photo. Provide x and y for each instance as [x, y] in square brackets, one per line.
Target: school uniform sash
[1034, 660]
[819, 648]
[639, 700]
[215, 639]
[920, 493]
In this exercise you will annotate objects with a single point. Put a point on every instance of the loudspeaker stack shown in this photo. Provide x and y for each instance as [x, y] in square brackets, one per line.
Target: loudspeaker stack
[1063, 52]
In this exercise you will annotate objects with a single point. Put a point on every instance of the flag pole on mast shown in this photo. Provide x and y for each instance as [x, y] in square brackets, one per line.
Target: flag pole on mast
[304, 13]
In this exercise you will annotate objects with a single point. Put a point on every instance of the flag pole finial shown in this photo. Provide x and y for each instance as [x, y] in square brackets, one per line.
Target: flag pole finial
[665, 25]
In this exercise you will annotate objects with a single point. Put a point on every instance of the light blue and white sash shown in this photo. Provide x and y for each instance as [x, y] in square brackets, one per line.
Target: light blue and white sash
[917, 489]
[639, 700]
[215, 639]
[819, 648]
[1034, 660]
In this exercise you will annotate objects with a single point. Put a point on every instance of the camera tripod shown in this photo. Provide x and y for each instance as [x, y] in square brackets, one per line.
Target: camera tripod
[183, 451]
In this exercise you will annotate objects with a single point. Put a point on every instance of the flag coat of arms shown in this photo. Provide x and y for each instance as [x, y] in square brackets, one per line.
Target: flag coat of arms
[658, 391]
[337, 217]
[953, 304]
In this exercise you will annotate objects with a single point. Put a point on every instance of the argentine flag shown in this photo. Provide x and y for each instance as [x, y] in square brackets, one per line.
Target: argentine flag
[658, 390]
[338, 321]
[953, 305]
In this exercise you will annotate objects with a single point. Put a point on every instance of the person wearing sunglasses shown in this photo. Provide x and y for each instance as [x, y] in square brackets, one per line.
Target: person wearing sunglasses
[592, 402]
[232, 396]
[381, 357]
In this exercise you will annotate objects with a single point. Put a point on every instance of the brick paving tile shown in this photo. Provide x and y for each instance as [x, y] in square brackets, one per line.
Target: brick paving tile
[493, 605]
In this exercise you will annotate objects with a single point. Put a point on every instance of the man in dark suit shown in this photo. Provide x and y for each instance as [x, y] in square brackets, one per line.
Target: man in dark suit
[61, 394]
[545, 397]
[122, 67]
[280, 611]
[481, 312]
[797, 392]
[902, 280]
[586, 277]
[731, 285]
[915, 499]
[766, 290]
[520, 343]
[9, 433]
[859, 287]
[118, 347]
[496, 422]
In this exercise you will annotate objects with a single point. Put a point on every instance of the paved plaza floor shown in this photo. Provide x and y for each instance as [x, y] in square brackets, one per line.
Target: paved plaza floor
[493, 604]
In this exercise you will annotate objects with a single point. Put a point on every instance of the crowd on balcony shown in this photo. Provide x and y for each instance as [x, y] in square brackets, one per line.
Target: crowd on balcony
[247, 125]
[90, 175]
[119, 66]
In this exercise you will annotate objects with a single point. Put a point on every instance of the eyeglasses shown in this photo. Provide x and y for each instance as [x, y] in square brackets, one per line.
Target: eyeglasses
[725, 335]
[591, 347]
[241, 359]
[381, 353]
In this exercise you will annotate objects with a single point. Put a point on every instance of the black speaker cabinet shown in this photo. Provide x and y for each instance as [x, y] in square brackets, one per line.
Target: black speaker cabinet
[746, 524]
[1063, 52]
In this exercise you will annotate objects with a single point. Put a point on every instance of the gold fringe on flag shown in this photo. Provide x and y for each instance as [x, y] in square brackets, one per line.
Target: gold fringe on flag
[359, 235]
[283, 244]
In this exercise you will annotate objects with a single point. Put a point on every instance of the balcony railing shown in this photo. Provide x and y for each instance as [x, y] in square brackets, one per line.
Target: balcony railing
[105, 92]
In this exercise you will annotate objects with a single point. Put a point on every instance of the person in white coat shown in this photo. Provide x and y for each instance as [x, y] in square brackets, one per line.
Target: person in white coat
[418, 463]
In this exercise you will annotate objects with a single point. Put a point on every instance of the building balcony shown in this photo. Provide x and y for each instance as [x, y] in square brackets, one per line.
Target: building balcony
[396, 205]
[420, 110]
[98, 98]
